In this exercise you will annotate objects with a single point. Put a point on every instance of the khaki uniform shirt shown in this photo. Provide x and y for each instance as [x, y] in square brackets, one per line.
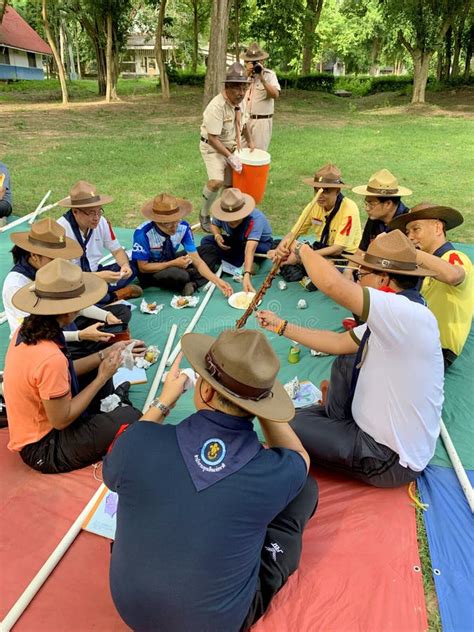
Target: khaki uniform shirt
[257, 99]
[219, 120]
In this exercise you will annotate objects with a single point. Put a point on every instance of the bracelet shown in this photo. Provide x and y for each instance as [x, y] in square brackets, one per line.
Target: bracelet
[162, 407]
[248, 272]
[281, 327]
[297, 249]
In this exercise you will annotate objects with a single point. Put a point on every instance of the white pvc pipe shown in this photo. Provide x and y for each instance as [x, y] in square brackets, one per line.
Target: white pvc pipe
[195, 226]
[195, 318]
[161, 368]
[40, 205]
[458, 466]
[20, 220]
[3, 318]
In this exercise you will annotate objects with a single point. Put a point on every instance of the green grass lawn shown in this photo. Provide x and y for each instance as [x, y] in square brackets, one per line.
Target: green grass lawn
[141, 146]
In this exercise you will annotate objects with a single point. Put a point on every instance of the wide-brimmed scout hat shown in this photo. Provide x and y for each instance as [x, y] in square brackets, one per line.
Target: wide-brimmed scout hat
[232, 205]
[48, 238]
[166, 208]
[382, 184]
[84, 194]
[236, 74]
[391, 252]
[328, 177]
[60, 287]
[242, 366]
[426, 210]
[254, 53]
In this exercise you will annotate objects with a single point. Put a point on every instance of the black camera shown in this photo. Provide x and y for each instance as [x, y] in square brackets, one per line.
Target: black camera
[257, 68]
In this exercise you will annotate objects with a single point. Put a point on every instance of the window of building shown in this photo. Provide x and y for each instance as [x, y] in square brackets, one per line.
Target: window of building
[31, 60]
[4, 55]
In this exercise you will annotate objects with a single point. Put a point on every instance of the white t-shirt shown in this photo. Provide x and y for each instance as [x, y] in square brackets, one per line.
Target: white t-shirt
[103, 238]
[399, 394]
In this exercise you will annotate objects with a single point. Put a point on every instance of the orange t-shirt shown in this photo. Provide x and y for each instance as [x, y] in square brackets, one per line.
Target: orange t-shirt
[32, 373]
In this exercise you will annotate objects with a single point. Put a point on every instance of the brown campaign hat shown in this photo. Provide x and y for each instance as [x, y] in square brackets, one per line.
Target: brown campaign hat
[166, 208]
[232, 205]
[247, 379]
[391, 252]
[48, 238]
[426, 210]
[382, 184]
[236, 74]
[60, 287]
[254, 53]
[328, 177]
[84, 194]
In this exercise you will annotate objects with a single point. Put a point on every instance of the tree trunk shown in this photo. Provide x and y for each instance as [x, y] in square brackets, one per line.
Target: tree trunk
[439, 65]
[78, 61]
[216, 62]
[421, 65]
[237, 30]
[3, 8]
[310, 22]
[165, 86]
[469, 51]
[195, 35]
[448, 49]
[52, 45]
[108, 59]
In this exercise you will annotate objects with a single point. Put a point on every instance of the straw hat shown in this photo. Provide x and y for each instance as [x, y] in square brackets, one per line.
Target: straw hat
[328, 177]
[246, 379]
[60, 287]
[166, 208]
[254, 53]
[232, 205]
[391, 252]
[382, 184]
[48, 238]
[84, 194]
[426, 210]
[236, 74]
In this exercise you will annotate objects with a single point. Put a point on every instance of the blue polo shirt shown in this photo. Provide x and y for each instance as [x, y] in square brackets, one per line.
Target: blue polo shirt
[256, 227]
[148, 242]
[185, 560]
[7, 196]
[374, 227]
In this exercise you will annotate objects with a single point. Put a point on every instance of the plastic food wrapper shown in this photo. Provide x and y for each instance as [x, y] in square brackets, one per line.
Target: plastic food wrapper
[128, 360]
[110, 403]
[150, 308]
[292, 387]
[302, 304]
[191, 378]
[150, 357]
[282, 285]
[314, 353]
[178, 302]
[303, 393]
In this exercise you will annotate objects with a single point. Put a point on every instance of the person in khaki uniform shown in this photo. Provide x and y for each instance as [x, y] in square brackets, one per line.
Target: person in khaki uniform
[224, 122]
[260, 97]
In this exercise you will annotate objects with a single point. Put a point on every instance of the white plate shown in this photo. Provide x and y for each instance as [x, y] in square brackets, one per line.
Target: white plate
[240, 300]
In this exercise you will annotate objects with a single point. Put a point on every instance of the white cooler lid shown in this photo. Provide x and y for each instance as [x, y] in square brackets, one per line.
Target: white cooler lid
[255, 158]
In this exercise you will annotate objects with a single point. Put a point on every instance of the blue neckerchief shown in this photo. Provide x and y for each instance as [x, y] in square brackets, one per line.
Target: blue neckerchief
[84, 261]
[168, 252]
[443, 249]
[323, 242]
[413, 295]
[25, 268]
[215, 445]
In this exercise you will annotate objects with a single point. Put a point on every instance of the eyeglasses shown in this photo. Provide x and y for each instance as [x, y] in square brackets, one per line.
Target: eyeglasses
[371, 205]
[358, 274]
[98, 213]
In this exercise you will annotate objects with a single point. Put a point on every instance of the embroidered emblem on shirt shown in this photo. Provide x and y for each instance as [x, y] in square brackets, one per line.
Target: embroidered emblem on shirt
[273, 549]
[212, 456]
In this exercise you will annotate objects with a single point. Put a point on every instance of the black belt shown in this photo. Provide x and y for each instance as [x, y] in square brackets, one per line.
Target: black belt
[204, 140]
[261, 116]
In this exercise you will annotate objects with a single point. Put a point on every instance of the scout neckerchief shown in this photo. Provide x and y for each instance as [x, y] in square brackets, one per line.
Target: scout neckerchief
[413, 295]
[215, 445]
[446, 247]
[25, 268]
[323, 242]
[84, 261]
[238, 116]
[168, 253]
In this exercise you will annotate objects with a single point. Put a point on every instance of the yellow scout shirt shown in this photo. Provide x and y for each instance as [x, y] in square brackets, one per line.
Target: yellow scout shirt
[453, 305]
[345, 228]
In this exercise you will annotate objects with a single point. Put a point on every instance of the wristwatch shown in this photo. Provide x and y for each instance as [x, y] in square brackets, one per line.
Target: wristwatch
[162, 407]
[297, 249]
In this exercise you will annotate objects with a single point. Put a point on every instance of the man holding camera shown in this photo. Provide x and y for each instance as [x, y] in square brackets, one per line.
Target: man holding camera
[261, 95]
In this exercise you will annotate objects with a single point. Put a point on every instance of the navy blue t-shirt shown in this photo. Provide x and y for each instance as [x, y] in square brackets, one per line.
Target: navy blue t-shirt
[185, 560]
[375, 227]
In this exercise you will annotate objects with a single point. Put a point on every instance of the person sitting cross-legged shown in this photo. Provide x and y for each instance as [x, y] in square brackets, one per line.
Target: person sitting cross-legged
[239, 230]
[210, 523]
[156, 249]
[381, 419]
[54, 426]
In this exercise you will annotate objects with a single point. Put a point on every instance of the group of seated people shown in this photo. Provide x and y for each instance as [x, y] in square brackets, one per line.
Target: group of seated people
[206, 489]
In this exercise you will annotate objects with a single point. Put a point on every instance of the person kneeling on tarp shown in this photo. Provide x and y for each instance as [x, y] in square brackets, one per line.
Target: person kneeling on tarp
[210, 523]
[156, 245]
[53, 426]
[239, 230]
[382, 415]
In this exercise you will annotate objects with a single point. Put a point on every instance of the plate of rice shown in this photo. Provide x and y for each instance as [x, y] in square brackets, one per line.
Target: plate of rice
[241, 300]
